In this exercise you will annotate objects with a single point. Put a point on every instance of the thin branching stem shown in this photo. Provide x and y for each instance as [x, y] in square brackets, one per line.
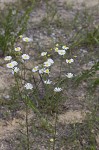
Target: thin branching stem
[26, 119]
[27, 128]
[55, 130]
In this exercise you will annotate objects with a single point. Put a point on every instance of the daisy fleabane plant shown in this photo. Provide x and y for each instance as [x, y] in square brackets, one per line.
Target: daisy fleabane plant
[12, 64]
[50, 60]
[41, 71]
[25, 56]
[35, 69]
[26, 39]
[46, 71]
[61, 52]
[17, 49]
[47, 81]
[7, 58]
[28, 86]
[69, 75]
[65, 47]
[47, 64]
[20, 36]
[15, 63]
[43, 53]
[57, 89]
[56, 49]
[57, 45]
[69, 60]
[15, 70]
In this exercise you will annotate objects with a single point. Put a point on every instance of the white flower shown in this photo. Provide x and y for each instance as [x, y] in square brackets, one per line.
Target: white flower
[47, 81]
[69, 75]
[41, 70]
[26, 39]
[47, 64]
[25, 56]
[35, 69]
[69, 60]
[75, 56]
[57, 89]
[46, 71]
[57, 45]
[15, 70]
[43, 53]
[50, 60]
[21, 36]
[65, 47]
[51, 140]
[14, 63]
[28, 86]
[10, 65]
[61, 52]
[17, 49]
[56, 49]
[8, 58]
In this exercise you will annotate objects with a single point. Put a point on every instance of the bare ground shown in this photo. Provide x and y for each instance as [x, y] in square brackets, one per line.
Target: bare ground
[75, 108]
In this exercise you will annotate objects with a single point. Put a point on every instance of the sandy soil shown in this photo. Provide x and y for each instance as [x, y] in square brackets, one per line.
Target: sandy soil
[69, 117]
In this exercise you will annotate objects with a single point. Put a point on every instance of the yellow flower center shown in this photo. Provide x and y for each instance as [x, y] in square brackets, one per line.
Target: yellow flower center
[56, 49]
[35, 68]
[69, 61]
[47, 71]
[26, 39]
[10, 65]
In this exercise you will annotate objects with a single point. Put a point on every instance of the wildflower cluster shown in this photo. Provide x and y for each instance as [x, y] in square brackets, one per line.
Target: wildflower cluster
[43, 70]
[36, 85]
[18, 49]
[28, 86]
[62, 52]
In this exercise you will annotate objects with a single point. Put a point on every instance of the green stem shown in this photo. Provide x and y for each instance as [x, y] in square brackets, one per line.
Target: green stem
[27, 129]
[26, 119]
[55, 131]
[55, 125]
[18, 86]
[60, 67]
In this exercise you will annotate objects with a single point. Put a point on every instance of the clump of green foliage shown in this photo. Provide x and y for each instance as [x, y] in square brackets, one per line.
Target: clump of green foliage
[13, 23]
